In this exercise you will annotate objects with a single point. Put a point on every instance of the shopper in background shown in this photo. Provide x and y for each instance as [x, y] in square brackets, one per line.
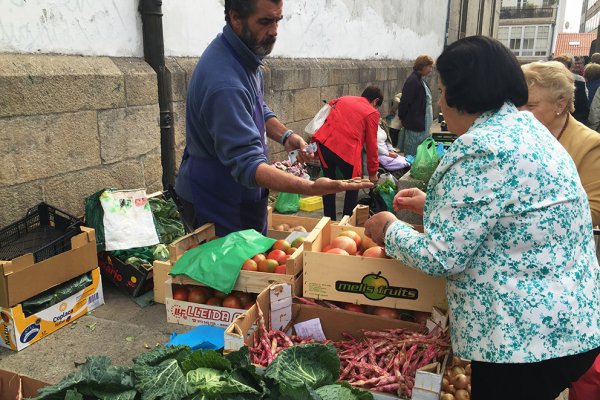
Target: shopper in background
[414, 109]
[581, 104]
[351, 124]
[551, 102]
[591, 74]
[507, 221]
[395, 125]
[225, 175]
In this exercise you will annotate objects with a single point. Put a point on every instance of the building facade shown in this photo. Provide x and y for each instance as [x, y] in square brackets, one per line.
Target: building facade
[472, 17]
[528, 28]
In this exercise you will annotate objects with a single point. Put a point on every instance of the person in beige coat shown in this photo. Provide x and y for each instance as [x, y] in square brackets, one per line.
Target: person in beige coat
[551, 102]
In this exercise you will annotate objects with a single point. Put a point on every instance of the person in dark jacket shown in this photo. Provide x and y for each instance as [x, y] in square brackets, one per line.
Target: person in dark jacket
[591, 73]
[414, 109]
[582, 106]
[225, 173]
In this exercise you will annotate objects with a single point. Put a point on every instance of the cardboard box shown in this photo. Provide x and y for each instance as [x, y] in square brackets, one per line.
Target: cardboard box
[366, 280]
[14, 386]
[129, 278]
[275, 304]
[160, 275]
[19, 331]
[194, 314]
[21, 278]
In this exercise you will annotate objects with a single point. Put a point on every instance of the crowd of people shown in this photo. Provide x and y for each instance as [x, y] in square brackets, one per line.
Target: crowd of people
[508, 213]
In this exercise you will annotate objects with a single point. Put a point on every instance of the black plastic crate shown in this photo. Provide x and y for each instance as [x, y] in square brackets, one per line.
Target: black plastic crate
[44, 231]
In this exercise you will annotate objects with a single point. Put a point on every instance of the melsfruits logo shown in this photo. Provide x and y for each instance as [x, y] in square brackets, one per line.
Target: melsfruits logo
[376, 287]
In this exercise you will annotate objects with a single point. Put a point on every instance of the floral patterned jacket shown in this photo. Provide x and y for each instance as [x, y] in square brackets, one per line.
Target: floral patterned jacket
[508, 222]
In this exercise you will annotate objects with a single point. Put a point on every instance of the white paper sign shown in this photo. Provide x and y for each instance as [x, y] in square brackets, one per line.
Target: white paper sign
[310, 329]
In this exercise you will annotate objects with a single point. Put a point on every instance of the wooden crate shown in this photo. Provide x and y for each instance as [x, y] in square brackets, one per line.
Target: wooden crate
[275, 219]
[366, 280]
[359, 216]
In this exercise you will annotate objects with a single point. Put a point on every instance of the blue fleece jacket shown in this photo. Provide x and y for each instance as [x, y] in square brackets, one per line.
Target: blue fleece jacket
[220, 103]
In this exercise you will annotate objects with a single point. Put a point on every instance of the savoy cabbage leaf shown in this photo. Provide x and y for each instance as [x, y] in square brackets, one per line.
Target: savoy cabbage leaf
[96, 377]
[164, 381]
[342, 390]
[298, 370]
[205, 359]
[215, 384]
[160, 354]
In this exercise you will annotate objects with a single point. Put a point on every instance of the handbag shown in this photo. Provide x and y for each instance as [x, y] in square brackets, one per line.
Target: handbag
[318, 120]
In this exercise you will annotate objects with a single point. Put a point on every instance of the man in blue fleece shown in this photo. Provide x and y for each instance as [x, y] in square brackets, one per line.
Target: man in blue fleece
[224, 175]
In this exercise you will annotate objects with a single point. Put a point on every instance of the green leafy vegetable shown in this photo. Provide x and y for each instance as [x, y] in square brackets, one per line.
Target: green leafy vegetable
[206, 359]
[342, 390]
[215, 384]
[298, 370]
[97, 377]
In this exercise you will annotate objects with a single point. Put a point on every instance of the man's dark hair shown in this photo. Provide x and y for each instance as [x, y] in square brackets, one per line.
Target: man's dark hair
[371, 93]
[244, 8]
[480, 74]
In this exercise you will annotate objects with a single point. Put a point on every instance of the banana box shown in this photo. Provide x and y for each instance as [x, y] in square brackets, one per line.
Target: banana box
[18, 331]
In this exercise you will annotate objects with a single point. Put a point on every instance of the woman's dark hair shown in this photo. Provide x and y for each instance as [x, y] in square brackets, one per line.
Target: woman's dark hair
[373, 92]
[480, 74]
[244, 8]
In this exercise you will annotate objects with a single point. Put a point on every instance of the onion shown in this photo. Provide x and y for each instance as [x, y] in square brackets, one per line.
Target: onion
[462, 394]
[450, 389]
[460, 381]
[456, 360]
[468, 369]
[446, 396]
[457, 370]
[445, 383]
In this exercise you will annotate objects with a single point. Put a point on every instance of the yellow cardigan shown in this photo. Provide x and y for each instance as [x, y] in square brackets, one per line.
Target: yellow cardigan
[583, 145]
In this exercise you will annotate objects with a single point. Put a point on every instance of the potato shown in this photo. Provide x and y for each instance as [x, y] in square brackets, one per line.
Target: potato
[298, 228]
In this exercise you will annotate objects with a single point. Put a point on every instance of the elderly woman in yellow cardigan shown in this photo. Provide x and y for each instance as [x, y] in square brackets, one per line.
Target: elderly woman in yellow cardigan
[551, 102]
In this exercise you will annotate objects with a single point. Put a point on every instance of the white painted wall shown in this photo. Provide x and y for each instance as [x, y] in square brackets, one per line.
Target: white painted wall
[355, 29]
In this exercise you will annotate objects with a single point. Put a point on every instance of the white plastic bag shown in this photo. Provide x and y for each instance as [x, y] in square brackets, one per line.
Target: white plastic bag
[128, 220]
[318, 120]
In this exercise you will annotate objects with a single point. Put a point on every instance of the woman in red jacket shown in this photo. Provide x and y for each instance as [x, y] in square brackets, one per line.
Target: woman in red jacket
[351, 124]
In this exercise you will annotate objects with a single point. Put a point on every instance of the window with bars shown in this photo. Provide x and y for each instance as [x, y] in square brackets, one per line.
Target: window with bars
[526, 41]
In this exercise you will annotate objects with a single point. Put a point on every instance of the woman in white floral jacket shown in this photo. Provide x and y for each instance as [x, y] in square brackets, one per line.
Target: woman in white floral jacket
[507, 221]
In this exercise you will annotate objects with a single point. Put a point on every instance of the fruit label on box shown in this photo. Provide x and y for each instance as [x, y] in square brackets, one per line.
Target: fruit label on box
[185, 313]
[376, 287]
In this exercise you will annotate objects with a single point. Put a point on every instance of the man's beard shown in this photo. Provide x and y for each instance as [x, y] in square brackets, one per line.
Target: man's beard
[262, 49]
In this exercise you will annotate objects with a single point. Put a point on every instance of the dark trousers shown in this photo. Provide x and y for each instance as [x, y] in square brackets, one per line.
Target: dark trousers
[543, 380]
[334, 162]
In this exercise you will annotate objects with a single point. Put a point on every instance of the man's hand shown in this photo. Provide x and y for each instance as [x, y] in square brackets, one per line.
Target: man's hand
[377, 225]
[410, 199]
[373, 178]
[329, 186]
[295, 141]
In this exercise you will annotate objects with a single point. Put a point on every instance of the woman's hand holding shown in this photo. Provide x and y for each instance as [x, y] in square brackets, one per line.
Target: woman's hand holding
[411, 199]
[376, 226]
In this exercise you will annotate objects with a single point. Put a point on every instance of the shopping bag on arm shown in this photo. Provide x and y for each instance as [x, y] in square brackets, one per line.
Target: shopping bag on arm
[318, 120]
[426, 160]
[217, 263]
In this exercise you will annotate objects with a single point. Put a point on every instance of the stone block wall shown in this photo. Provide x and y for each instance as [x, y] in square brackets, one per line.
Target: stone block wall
[70, 125]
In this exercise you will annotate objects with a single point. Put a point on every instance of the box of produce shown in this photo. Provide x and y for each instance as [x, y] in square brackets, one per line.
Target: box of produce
[282, 263]
[375, 353]
[341, 264]
[23, 277]
[190, 303]
[132, 270]
[47, 312]
[280, 226]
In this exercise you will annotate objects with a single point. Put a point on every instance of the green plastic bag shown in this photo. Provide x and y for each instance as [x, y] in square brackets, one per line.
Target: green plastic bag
[426, 160]
[287, 202]
[218, 263]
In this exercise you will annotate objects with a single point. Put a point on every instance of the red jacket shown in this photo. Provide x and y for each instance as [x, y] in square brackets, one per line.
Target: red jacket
[351, 124]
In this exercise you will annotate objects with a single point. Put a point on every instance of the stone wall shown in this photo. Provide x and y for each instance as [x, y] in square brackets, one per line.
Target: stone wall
[70, 125]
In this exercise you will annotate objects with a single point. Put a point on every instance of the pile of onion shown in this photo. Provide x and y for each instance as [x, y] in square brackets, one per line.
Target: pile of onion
[456, 384]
